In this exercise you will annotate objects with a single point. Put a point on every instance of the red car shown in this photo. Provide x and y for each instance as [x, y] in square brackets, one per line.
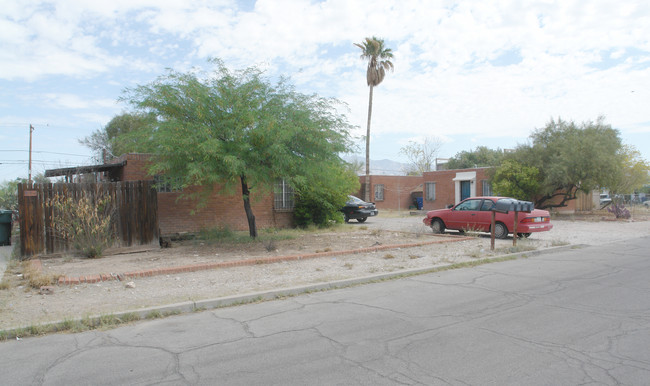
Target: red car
[475, 214]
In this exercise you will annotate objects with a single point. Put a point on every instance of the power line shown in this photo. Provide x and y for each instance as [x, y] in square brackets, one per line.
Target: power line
[46, 152]
[40, 162]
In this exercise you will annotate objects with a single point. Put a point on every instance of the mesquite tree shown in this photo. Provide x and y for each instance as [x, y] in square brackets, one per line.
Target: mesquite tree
[238, 129]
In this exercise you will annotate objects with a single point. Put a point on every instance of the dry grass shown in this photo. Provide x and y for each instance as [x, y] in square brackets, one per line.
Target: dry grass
[35, 277]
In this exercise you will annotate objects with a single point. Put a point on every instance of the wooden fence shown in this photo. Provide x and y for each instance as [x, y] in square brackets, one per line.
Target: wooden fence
[135, 215]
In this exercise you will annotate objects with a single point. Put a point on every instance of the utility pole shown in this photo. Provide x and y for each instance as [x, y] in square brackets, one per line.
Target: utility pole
[31, 130]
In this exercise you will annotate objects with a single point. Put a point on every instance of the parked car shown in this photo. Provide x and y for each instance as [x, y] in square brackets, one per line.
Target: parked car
[605, 200]
[475, 214]
[356, 208]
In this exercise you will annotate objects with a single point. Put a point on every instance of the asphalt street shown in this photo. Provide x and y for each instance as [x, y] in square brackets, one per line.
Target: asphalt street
[579, 316]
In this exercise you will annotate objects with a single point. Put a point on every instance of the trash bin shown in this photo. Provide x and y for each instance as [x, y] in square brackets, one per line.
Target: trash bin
[5, 227]
[420, 202]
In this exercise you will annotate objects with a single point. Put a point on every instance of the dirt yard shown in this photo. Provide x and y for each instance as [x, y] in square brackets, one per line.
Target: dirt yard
[23, 306]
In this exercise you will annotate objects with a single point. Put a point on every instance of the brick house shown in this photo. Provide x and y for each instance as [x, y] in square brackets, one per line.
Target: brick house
[438, 189]
[442, 188]
[180, 215]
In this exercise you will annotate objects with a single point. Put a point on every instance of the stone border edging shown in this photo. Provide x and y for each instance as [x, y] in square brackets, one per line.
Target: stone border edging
[96, 278]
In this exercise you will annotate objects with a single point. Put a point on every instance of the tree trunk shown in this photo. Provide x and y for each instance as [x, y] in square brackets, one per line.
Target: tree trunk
[367, 180]
[252, 228]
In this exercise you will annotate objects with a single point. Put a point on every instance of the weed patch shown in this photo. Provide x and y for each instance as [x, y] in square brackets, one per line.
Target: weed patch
[86, 221]
[35, 277]
[85, 324]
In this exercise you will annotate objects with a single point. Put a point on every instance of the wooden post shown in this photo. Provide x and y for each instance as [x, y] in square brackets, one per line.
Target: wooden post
[492, 230]
[514, 231]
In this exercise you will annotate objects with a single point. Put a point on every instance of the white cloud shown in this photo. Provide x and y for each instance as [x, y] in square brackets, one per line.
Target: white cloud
[72, 101]
[463, 69]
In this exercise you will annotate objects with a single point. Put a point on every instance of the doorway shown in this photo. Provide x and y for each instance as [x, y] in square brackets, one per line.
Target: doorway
[465, 190]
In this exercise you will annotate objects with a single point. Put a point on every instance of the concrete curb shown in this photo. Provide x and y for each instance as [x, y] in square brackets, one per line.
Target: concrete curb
[209, 304]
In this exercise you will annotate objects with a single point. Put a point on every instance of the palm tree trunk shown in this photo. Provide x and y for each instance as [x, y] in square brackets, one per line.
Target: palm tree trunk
[367, 180]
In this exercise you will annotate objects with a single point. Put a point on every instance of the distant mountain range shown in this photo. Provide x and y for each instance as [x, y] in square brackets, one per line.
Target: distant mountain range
[383, 167]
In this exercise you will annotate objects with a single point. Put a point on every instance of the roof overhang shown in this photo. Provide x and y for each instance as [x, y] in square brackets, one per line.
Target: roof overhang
[464, 176]
[83, 169]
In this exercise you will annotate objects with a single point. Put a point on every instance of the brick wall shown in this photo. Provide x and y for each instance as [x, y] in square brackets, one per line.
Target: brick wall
[180, 215]
[397, 191]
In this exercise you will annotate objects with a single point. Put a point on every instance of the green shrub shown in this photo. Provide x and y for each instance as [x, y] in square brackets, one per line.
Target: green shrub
[315, 210]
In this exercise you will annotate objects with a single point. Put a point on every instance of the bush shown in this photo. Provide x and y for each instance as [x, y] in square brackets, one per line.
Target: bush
[619, 210]
[318, 211]
[85, 221]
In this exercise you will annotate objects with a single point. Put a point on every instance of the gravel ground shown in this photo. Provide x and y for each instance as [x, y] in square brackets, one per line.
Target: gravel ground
[22, 306]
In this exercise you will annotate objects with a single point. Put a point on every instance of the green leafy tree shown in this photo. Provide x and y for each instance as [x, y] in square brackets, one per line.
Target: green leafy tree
[513, 179]
[9, 195]
[230, 129]
[113, 140]
[633, 173]
[482, 156]
[379, 60]
[571, 158]
[9, 191]
[421, 155]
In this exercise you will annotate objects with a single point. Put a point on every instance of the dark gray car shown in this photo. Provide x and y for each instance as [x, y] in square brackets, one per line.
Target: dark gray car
[356, 208]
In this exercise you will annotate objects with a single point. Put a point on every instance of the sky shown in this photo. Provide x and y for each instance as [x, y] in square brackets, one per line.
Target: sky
[466, 73]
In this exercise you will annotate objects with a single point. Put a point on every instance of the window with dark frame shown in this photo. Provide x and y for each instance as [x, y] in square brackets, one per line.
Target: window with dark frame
[283, 196]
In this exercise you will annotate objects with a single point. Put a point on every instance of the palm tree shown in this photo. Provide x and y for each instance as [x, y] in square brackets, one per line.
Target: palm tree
[378, 58]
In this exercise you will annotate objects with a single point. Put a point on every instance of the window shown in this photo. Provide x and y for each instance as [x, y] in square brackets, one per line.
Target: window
[282, 196]
[379, 192]
[166, 185]
[430, 191]
[487, 205]
[487, 188]
[469, 205]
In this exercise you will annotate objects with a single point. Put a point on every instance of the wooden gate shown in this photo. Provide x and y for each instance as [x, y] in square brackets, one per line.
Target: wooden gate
[135, 222]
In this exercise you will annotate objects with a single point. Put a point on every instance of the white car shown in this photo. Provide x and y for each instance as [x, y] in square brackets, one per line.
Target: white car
[605, 200]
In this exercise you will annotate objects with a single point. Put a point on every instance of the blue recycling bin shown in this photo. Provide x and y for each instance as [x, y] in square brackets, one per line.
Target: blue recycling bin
[420, 202]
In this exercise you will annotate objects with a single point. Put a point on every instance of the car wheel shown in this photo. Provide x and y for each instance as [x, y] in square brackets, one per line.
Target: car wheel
[437, 226]
[363, 219]
[524, 235]
[500, 230]
[347, 219]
